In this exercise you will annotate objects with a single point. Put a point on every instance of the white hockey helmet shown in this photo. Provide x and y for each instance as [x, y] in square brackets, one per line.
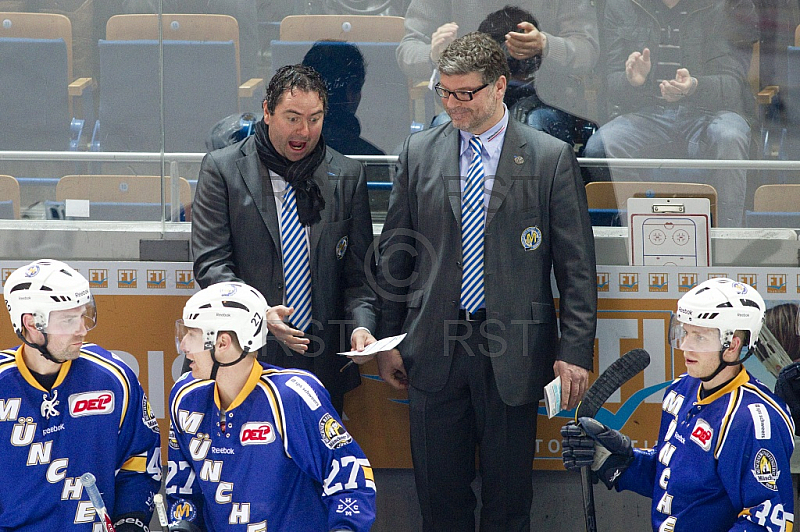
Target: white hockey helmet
[226, 306]
[45, 286]
[726, 305]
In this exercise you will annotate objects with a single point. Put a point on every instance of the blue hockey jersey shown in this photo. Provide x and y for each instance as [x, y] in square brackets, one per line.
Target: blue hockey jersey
[278, 459]
[95, 419]
[721, 463]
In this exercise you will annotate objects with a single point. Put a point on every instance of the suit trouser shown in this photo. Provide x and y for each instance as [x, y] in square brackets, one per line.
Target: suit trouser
[447, 425]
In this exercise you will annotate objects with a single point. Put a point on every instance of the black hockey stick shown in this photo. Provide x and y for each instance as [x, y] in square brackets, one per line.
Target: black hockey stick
[617, 374]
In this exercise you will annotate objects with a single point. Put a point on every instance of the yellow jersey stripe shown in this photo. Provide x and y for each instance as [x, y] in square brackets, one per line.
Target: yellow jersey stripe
[278, 414]
[115, 370]
[135, 463]
[188, 387]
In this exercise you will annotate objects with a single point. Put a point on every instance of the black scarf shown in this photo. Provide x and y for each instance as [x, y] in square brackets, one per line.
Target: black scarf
[299, 174]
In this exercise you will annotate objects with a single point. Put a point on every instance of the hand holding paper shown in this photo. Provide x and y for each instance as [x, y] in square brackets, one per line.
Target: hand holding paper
[381, 345]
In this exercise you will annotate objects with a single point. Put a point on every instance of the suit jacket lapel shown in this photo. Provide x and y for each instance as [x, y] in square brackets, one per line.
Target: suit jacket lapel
[448, 151]
[256, 178]
[327, 178]
[510, 167]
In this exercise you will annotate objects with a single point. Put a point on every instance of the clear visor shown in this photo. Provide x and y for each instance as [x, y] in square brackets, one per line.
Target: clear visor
[188, 339]
[78, 320]
[693, 338]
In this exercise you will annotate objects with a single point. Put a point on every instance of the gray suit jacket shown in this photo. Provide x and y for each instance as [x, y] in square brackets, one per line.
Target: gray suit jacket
[236, 236]
[537, 221]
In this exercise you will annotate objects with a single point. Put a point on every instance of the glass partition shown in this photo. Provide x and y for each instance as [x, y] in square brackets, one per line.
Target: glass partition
[125, 97]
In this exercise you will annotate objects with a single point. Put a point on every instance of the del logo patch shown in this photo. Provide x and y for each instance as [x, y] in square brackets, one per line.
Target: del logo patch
[257, 433]
[332, 433]
[531, 238]
[91, 403]
[765, 469]
[703, 434]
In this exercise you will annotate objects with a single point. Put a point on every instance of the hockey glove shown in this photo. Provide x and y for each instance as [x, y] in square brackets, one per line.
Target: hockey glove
[577, 449]
[613, 452]
[787, 387]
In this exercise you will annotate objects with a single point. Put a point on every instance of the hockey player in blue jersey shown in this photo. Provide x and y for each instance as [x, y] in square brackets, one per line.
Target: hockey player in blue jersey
[69, 408]
[722, 458]
[254, 447]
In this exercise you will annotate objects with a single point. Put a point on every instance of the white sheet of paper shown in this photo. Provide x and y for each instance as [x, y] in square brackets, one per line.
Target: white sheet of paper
[383, 344]
[552, 397]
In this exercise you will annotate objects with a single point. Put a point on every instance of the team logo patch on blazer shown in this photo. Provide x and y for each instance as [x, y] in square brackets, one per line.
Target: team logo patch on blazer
[341, 247]
[531, 238]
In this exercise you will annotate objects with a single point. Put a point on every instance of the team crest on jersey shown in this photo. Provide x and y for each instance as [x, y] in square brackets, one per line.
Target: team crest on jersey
[531, 238]
[182, 510]
[257, 433]
[333, 434]
[765, 469]
[341, 247]
[91, 403]
[702, 434]
[148, 418]
[172, 441]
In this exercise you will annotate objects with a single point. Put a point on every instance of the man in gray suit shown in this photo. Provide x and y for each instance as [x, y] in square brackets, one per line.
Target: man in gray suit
[482, 339]
[285, 214]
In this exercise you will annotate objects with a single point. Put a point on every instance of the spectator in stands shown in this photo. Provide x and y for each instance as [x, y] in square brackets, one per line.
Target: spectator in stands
[521, 97]
[677, 87]
[566, 41]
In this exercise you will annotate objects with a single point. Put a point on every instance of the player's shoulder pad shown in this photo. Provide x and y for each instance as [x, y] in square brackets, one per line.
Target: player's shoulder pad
[296, 384]
[8, 357]
[108, 362]
[185, 386]
[8, 361]
[765, 408]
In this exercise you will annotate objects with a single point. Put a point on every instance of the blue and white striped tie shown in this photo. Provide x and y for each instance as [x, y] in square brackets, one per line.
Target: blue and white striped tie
[472, 296]
[296, 272]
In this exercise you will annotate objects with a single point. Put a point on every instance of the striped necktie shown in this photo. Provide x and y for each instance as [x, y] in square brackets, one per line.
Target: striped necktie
[296, 272]
[472, 296]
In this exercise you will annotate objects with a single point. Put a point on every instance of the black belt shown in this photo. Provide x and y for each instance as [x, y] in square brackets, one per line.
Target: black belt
[477, 316]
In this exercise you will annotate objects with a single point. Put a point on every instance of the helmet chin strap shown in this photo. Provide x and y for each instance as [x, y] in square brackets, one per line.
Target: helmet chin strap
[217, 364]
[723, 364]
[42, 348]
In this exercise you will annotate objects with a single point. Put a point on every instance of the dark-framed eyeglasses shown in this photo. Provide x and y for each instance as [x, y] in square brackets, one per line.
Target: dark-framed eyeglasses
[461, 96]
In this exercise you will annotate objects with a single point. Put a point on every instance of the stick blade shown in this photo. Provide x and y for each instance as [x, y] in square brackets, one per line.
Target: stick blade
[621, 371]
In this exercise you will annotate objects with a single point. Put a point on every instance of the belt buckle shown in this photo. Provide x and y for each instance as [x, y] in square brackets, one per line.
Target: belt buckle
[470, 316]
